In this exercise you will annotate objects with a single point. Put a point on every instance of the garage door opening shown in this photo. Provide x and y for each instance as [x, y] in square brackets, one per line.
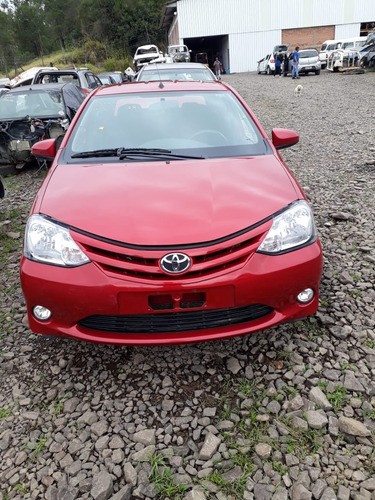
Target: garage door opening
[206, 49]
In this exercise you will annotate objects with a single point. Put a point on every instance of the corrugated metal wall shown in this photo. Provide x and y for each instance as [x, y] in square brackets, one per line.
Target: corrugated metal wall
[248, 48]
[347, 31]
[255, 26]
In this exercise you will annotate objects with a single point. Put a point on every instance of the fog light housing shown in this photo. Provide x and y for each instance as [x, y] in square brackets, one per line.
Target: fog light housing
[305, 296]
[42, 313]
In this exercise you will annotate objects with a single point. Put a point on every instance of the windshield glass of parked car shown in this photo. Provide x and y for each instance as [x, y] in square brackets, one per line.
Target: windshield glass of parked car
[206, 124]
[156, 74]
[308, 53]
[31, 103]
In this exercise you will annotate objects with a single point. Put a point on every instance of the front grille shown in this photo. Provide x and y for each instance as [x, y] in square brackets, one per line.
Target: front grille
[176, 322]
[144, 264]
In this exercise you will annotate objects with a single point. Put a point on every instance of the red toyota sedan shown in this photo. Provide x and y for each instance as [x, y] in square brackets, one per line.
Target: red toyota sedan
[167, 216]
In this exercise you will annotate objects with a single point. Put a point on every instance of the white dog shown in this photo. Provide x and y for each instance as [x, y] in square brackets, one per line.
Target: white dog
[298, 90]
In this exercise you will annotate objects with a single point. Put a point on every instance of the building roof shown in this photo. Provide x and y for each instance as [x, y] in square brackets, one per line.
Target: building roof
[168, 13]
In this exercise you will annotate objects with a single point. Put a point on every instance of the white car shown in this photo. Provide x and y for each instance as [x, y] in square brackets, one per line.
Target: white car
[327, 47]
[266, 65]
[26, 77]
[179, 53]
[146, 54]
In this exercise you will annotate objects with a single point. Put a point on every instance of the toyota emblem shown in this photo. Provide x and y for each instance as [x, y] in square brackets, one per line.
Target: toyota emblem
[175, 263]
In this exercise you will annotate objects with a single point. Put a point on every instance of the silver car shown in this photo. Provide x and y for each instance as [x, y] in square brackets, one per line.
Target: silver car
[309, 62]
[175, 71]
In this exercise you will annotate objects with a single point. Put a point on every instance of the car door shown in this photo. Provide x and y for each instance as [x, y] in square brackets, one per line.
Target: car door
[92, 80]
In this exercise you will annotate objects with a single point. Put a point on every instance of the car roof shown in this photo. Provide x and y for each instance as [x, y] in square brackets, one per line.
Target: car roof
[169, 66]
[147, 46]
[41, 86]
[70, 71]
[157, 86]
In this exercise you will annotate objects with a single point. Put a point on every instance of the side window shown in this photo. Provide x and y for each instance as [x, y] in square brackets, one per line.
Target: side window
[91, 81]
[98, 82]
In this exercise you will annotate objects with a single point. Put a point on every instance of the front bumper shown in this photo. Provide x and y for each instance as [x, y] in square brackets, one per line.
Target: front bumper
[92, 305]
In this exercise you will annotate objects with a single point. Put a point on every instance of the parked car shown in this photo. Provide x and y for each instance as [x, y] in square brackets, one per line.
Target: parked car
[280, 48]
[267, 65]
[367, 56]
[26, 77]
[340, 59]
[106, 78]
[82, 77]
[189, 227]
[353, 43]
[145, 54]
[4, 89]
[309, 62]
[327, 47]
[179, 53]
[30, 114]
[112, 77]
[175, 71]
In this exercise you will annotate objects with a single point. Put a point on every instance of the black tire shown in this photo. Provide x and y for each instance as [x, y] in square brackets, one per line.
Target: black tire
[268, 70]
[317, 72]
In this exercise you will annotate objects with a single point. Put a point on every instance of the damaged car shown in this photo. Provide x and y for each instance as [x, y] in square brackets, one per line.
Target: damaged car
[146, 54]
[30, 114]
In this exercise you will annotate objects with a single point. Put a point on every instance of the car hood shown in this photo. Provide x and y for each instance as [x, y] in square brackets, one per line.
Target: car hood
[159, 203]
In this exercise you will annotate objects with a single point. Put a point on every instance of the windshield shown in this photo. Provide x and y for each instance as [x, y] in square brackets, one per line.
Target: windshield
[31, 103]
[308, 53]
[204, 124]
[148, 50]
[157, 74]
[177, 48]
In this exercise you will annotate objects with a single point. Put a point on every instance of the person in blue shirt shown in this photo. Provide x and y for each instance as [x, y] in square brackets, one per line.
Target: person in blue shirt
[295, 61]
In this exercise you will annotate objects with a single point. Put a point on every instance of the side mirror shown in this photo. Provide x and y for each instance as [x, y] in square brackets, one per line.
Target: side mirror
[284, 138]
[44, 150]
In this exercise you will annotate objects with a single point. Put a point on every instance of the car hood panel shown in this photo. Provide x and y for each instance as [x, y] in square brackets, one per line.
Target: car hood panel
[159, 203]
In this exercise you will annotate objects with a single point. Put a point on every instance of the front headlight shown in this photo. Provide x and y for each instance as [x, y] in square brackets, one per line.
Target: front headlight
[47, 242]
[293, 228]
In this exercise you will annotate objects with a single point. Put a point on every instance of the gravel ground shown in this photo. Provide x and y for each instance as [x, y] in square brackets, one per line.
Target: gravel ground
[285, 413]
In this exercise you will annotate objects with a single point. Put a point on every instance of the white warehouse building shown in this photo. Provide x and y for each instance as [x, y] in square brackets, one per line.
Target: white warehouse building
[241, 32]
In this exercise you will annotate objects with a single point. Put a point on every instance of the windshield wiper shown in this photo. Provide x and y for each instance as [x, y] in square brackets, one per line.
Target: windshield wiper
[126, 153]
[96, 153]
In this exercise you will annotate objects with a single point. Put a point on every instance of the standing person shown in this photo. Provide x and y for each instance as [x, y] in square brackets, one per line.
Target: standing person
[217, 67]
[295, 61]
[278, 63]
[285, 64]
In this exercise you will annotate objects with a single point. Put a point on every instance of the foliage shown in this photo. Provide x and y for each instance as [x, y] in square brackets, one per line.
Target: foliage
[92, 30]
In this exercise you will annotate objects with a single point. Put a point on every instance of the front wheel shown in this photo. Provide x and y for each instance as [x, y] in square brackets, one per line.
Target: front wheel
[268, 70]
[317, 72]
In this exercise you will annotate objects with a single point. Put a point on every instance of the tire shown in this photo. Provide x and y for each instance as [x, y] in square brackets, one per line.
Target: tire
[268, 70]
[324, 66]
[317, 72]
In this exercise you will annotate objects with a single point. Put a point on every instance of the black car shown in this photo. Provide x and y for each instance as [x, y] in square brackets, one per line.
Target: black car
[30, 114]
